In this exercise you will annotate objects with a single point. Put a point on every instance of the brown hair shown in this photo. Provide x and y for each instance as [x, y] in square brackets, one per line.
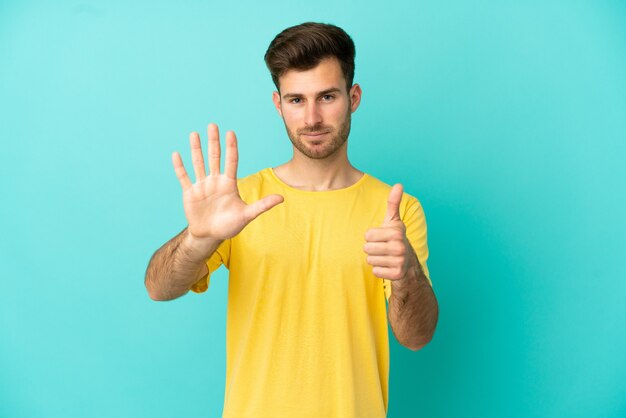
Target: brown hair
[302, 47]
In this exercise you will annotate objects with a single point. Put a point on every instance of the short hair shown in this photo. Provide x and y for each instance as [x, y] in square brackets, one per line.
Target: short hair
[303, 46]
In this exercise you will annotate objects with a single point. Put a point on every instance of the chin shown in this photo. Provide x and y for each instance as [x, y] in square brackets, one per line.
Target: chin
[319, 154]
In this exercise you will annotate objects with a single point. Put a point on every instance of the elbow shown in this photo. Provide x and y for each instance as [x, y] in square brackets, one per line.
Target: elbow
[422, 339]
[415, 347]
[157, 296]
[417, 344]
[160, 296]
[155, 293]
[427, 334]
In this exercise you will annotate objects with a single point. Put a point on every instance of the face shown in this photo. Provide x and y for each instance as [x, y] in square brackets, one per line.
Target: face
[316, 108]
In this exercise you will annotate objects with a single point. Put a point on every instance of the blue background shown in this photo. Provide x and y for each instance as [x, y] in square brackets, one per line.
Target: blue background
[506, 119]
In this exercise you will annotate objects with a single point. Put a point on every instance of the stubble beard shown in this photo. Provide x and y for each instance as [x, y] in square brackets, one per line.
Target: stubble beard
[337, 140]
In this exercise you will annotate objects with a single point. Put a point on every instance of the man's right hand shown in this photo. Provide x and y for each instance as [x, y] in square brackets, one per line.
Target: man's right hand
[213, 207]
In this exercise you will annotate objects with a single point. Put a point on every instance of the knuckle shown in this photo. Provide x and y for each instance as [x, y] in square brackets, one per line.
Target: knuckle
[398, 249]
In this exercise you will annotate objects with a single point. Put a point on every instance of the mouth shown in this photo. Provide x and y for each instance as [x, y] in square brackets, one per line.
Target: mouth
[315, 134]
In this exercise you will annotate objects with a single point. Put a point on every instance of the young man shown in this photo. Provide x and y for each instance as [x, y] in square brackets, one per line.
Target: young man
[314, 248]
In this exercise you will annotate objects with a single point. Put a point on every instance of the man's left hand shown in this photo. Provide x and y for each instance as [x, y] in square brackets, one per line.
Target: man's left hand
[387, 247]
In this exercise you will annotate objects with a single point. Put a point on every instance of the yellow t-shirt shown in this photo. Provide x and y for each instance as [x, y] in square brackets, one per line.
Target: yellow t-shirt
[307, 320]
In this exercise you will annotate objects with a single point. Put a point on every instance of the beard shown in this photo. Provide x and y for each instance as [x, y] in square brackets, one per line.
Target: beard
[338, 138]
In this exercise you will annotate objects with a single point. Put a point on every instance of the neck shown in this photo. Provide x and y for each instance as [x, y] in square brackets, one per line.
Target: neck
[331, 173]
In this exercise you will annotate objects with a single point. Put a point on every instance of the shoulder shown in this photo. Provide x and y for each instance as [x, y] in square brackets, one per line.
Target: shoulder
[409, 204]
[376, 185]
[252, 181]
[255, 185]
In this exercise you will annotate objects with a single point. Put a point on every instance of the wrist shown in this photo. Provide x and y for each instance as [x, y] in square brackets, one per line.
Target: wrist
[412, 280]
[200, 246]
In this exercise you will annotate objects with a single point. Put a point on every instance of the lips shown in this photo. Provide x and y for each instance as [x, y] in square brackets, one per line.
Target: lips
[314, 134]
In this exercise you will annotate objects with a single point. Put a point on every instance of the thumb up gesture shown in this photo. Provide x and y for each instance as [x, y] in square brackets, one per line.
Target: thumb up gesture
[387, 247]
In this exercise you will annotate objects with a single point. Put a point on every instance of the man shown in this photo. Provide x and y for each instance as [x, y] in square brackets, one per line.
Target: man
[314, 248]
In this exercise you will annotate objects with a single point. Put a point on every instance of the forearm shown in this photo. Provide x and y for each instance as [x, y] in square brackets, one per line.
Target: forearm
[176, 266]
[413, 309]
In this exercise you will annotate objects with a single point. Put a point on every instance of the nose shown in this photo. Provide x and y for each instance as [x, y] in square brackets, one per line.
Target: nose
[313, 116]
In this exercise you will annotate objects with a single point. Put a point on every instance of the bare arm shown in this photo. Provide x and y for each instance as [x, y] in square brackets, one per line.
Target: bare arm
[413, 310]
[177, 265]
[215, 212]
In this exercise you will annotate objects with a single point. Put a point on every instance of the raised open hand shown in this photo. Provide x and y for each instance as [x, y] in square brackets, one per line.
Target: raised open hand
[212, 204]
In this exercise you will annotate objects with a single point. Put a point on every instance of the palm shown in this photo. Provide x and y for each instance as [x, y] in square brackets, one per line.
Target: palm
[212, 205]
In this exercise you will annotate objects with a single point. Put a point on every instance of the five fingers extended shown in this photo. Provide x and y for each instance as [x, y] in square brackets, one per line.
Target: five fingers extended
[214, 157]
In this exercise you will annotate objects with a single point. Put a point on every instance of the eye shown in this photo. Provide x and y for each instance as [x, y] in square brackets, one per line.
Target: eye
[295, 100]
[327, 97]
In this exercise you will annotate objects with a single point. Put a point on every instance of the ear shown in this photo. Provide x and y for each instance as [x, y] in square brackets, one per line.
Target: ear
[355, 97]
[276, 100]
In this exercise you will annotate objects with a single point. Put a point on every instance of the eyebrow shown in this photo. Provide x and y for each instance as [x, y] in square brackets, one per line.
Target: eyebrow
[321, 93]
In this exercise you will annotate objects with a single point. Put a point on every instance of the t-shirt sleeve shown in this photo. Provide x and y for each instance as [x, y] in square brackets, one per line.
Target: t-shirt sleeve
[415, 221]
[219, 257]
